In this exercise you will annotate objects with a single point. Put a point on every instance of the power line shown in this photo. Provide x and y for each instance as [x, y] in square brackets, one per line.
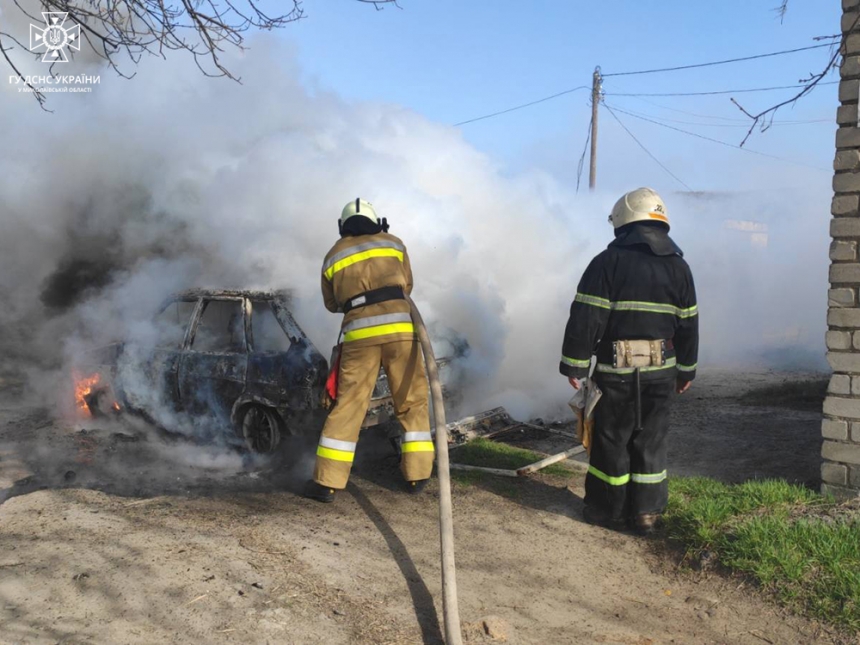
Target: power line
[719, 62]
[524, 105]
[722, 143]
[648, 152]
[712, 116]
[741, 91]
[743, 123]
[638, 95]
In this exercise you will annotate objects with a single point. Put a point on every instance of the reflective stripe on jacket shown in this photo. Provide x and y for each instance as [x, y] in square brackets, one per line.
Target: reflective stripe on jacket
[356, 264]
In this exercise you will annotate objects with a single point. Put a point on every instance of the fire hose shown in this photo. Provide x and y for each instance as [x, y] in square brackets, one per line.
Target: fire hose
[450, 606]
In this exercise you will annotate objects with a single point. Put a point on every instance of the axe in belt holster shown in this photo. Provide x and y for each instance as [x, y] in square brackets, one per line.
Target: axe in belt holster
[582, 404]
[638, 354]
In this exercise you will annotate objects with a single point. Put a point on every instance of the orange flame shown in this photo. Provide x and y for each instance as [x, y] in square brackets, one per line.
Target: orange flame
[84, 386]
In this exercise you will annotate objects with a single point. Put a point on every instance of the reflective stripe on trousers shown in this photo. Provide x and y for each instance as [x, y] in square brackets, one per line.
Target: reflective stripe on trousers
[374, 326]
[623, 480]
[336, 449]
[417, 442]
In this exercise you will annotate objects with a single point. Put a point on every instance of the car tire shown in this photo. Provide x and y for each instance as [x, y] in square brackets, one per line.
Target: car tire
[260, 429]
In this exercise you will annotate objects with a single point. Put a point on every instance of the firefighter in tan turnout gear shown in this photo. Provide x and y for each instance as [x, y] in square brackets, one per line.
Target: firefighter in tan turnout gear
[365, 276]
[635, 309]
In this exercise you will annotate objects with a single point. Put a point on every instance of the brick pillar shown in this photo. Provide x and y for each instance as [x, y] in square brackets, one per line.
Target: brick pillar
[840, 468]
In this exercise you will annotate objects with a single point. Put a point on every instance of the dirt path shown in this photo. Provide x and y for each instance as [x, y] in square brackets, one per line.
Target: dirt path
[162, 548]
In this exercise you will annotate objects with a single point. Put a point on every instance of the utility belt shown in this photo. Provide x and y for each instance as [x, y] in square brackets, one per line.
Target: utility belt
[640, 353]
[373, 297]
[639, 356]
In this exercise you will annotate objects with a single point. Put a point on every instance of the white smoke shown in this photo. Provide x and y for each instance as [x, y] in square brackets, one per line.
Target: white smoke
[173, 180]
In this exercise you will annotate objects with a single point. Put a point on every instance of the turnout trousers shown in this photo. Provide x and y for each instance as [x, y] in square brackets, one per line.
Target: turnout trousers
[403, 363]
[627, 467]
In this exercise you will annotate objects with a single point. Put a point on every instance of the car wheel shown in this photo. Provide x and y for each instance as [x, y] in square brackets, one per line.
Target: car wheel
[260, 429]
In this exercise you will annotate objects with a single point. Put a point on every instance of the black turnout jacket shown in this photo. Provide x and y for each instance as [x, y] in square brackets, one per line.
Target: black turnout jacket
[640, 287]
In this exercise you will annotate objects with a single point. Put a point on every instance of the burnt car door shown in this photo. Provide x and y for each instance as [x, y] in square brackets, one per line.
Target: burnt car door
[148, 367]
[284, 369]
[213, 368]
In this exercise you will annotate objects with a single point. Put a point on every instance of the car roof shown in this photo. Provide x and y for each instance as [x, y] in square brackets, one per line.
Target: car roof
[283, 295]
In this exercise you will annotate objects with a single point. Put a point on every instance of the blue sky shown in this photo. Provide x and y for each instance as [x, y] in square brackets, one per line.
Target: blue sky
[453, 60]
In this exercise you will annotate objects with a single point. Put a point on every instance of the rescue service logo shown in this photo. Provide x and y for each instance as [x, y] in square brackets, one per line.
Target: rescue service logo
[54, 37]
[58, 36]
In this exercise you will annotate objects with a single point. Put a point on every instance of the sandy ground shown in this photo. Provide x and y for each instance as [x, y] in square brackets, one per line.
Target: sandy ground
[114, 536]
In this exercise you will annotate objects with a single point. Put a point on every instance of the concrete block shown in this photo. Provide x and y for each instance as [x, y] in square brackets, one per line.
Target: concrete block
[841, 297]
[839, 493]
[847, 159]
[839, 384]
[837, 406]
[843, 205]
[845, 226]
[848, 90]
[845, 453]
[839, 340]
[847, 137]
[849, 4]
[850, 69]
[845, 362]
[844, 317]
[855, 385]
[850, 22]
[842, 251]
[834, 473]
[846, 182]
[835, 429]
[845, 273]
[852, 44]
[853, 477]
[855, 432]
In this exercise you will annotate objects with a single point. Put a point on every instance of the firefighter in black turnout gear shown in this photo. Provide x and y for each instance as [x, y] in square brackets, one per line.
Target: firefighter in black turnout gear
[635, 309]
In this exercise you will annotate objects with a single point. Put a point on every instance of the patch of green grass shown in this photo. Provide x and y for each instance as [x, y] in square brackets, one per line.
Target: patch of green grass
[492, 454]
[811, 563]
[500, 485]
[807, 394]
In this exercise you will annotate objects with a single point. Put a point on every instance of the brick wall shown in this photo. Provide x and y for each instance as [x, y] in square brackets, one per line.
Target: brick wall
[840, 467]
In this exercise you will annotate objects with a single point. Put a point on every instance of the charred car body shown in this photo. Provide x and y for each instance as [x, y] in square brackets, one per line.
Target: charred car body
[234, 365]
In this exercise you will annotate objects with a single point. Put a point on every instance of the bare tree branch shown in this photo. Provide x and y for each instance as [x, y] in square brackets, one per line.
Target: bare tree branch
[764, 119]
[781, 10]
[379, 5]
[39, 96]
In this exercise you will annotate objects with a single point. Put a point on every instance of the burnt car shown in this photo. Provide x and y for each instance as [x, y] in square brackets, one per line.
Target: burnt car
[223, 365]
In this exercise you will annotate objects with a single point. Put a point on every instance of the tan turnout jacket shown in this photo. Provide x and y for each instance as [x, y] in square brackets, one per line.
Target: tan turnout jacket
[356, 264]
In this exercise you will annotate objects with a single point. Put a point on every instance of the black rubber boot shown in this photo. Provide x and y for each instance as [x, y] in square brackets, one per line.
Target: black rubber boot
[597, 517]
[645, 524]
[417, 486]
[318, 492]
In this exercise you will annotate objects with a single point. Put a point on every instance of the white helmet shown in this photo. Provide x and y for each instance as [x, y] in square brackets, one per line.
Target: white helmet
[358, 207]
[640, 205]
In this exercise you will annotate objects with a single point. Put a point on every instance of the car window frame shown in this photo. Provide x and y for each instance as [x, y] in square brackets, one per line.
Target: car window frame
[270, 303]
[198, 315]
[183, 344]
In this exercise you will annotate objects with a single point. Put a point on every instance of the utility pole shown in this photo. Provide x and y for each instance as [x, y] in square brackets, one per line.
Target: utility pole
[596, 91]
